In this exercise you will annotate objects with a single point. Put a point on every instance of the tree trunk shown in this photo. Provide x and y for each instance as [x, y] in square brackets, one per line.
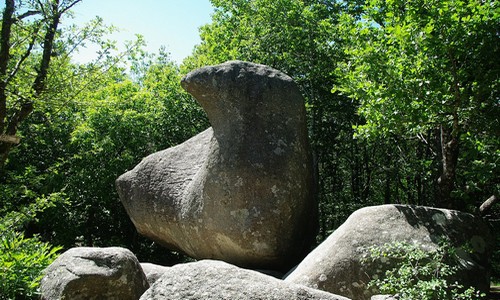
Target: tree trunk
[7, 21]
[26, 107]
[450, 139]
[388, 175]
[446, 182]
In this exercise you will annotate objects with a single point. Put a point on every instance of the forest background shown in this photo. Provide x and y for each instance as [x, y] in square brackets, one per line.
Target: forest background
[402, 100]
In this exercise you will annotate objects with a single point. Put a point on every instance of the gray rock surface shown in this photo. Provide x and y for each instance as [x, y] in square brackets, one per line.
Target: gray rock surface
[241, 192]
[153, 271]
[209, 279]
[336, 264]
[94, 273]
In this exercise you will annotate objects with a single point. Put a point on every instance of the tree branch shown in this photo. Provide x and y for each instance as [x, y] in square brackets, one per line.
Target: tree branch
[11, 139]
[48, 45]
[64, 10]
[28, 14]
[80, 40]
[42, 8]
[24, 56]
[18, 117]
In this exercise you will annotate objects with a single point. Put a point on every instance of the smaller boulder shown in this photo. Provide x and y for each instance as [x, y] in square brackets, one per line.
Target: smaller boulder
[153, 272]
[210, 279]
[94, 273]
[337, 265]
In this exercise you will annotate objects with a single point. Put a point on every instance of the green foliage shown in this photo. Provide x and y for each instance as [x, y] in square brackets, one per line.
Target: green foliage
[398, 65]
[419, 273]
[413, 65]
[424, 67]
[85, 142]
[22, 259]
[94, 122]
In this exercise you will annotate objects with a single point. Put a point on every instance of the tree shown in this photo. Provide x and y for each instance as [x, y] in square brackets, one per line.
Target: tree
[426, 70]
[90, 124]
[17, 102]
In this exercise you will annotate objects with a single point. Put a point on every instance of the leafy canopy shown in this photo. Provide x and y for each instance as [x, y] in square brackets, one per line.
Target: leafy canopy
[415, 65]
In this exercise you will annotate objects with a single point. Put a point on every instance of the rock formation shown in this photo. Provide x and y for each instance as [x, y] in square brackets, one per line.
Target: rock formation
[210, 279]
[94, 273]
[336, 265]
[242, 191]
[115, 274]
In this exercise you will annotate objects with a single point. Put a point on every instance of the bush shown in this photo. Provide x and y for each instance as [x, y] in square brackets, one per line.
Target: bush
[419, 274]
[22, 259]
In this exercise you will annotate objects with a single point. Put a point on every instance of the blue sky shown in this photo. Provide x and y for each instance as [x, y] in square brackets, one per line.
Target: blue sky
[172, 23]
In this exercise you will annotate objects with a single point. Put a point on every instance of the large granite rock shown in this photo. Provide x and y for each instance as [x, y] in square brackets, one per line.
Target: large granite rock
[210, 279]
[92, 274]
[241, 192]
[153, 271]
[337, 264]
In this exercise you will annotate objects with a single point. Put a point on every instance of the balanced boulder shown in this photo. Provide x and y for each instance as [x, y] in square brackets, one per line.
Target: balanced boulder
[241, 191]
[338, 265]
[94, 273]
[210, 279]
